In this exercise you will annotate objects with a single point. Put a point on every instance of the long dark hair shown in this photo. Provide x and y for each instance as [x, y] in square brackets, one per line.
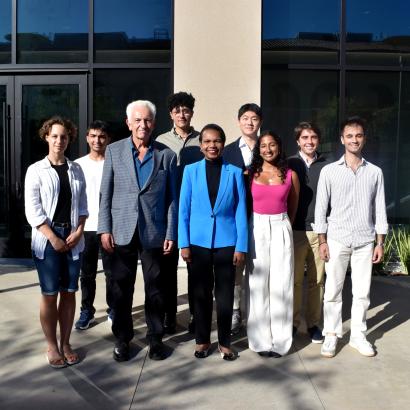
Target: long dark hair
[257, 161]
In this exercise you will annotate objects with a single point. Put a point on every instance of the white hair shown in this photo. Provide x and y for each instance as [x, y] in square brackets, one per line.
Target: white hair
[140, 103]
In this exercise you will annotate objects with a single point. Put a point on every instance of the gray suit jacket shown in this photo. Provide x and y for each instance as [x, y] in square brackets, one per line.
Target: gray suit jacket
[124, 207]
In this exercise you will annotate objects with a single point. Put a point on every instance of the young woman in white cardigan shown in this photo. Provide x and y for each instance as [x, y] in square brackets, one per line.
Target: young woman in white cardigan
[56, 209]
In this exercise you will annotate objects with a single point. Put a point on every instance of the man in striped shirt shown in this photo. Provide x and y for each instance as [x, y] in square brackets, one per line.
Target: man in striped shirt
[354, 190]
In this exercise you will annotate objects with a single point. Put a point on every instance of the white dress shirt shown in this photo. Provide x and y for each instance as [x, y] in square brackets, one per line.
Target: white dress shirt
[245, 151]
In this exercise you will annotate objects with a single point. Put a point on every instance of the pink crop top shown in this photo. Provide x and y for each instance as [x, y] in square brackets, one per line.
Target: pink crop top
[271, 199]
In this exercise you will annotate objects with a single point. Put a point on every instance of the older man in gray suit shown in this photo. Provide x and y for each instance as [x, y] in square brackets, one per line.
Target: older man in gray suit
[138, 216]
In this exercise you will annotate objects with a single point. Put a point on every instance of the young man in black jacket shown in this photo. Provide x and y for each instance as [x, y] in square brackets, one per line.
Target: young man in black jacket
[307, 163]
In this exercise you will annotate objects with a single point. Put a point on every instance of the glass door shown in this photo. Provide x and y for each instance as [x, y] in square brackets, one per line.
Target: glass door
[35, 99]
[5, 177]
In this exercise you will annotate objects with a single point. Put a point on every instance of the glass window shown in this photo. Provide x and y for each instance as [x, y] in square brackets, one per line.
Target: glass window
[374, 96]
[3, 162]
[403, 180]
[291, 96]
[377, 32]
[40, 102]
[296, 31]
[5, 31]
[132, 31]
[115, 89]
[50, 31]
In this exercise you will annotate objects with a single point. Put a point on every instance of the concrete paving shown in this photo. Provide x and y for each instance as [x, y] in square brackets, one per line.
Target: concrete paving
[301, 380]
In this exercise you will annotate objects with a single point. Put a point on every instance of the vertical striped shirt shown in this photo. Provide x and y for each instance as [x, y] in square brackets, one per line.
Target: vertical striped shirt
[356, 200]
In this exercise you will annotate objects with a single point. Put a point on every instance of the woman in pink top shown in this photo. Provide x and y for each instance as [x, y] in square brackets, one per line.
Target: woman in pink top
[275, 193]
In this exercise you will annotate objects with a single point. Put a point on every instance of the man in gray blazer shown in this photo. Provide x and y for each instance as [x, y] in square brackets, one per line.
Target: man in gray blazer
[138, 216]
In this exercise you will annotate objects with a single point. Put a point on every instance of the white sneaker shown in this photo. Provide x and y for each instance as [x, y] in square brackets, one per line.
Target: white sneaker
[329, 346]
[362, 346]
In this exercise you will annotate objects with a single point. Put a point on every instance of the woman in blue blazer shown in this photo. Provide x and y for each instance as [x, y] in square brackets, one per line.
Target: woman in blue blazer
[213, 238]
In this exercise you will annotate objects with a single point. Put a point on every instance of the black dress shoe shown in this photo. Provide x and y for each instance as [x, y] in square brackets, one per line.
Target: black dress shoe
[202, 354]
[121, 352]
[157, 351]
[265, 354]
[230, 357]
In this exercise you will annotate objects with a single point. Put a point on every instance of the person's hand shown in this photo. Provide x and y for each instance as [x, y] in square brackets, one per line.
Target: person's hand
[186, 255]
[238, 259]
[378, 253]
[107, 242]
[73, 239]
[58, 244]
[168, 246]
[324, 251]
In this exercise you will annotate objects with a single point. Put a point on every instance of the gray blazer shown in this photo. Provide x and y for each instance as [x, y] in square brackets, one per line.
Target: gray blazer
[123, 206]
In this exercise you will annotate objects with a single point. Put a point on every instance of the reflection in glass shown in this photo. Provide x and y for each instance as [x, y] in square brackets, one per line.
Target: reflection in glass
[3, 171]
[296, 31]
[378, 32]
[291, 96]
[374, 96]
[115, 89]
[140, 31]
[50, 31]
[403, 180]
[5, 31]
[41, 102]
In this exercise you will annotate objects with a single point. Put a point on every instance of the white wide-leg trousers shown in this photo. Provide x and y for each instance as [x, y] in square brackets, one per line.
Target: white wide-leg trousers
[270, 271]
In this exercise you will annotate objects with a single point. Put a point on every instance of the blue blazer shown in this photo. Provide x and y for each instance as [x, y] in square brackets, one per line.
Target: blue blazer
[226, 224]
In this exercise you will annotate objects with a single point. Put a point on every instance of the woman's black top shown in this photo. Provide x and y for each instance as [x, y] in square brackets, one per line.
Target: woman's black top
[63, 209]
[213, 176]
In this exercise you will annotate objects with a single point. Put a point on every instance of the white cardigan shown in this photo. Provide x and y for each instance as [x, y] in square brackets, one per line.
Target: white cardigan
[41, 190]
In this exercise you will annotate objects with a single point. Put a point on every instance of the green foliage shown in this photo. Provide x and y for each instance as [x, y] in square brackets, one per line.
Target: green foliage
[401, 238]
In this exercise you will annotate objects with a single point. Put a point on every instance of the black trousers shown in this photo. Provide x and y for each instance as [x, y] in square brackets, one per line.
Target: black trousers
[124, 269]
[169, 270]
[212, 268]
[88, 271]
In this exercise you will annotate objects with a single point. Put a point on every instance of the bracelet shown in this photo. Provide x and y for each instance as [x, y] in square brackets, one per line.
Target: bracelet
[321, 243]
[380, 244]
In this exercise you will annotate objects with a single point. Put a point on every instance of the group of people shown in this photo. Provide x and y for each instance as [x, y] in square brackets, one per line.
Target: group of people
[246, 220]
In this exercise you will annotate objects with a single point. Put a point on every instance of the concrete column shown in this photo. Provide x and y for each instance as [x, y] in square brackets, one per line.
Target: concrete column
[217, 57]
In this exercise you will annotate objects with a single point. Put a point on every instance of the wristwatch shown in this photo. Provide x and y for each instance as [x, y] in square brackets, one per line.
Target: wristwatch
[380, 244]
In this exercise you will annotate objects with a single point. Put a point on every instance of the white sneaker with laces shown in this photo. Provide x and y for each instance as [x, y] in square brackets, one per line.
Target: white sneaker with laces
[329, 346]
[362, 346]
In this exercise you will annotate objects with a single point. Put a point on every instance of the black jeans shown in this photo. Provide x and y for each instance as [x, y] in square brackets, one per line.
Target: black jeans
[89, 271]
[124, 269]
[211, 267]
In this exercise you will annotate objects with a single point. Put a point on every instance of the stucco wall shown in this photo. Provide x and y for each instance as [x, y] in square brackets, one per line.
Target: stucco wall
[217, 57]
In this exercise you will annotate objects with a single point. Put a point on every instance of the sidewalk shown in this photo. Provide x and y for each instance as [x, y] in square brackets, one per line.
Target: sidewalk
[301, 380]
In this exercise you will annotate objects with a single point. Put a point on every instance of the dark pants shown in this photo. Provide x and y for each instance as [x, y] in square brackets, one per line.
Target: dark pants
[211, 267]
[124, 268]
[89, 271]
[169, 269]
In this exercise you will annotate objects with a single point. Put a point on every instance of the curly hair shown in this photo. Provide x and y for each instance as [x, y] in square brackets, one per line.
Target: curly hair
[181, 99]
[257, 161]
[64, 122]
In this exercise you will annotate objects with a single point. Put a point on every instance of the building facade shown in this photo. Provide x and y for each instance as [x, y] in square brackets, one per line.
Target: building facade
[318, 61]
